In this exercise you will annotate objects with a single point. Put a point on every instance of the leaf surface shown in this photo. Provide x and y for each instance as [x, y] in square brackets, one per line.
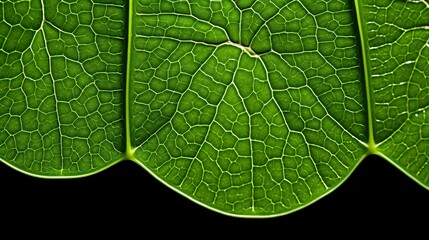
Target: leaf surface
[250, 108]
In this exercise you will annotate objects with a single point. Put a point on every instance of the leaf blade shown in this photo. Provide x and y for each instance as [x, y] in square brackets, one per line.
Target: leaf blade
[398, 53]
[68, 118]
[234, 161]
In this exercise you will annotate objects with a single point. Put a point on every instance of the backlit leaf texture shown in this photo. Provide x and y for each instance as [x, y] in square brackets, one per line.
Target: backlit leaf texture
[249, 108]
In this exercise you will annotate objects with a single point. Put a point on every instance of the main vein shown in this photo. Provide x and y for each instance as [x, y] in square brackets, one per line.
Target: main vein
[129, 151]
[372, 148]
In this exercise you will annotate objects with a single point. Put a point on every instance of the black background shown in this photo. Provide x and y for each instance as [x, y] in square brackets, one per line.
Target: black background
[377, 196]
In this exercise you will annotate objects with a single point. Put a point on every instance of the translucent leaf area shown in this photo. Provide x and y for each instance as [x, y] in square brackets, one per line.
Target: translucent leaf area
[249, 108]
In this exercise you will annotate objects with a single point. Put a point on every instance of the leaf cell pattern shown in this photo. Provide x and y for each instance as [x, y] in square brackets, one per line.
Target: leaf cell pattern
[250, 108]
[248, 129]
[61, 72]
[398, 40]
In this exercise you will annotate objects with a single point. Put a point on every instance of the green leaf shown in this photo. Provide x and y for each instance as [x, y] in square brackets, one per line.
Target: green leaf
[249, 108]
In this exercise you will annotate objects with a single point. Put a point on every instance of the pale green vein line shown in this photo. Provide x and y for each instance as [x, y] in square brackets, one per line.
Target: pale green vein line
[372, 148]
[45, 41]
[240, 21]
[264, 65]
[250, 132]
[129, 151]
[216, 45]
